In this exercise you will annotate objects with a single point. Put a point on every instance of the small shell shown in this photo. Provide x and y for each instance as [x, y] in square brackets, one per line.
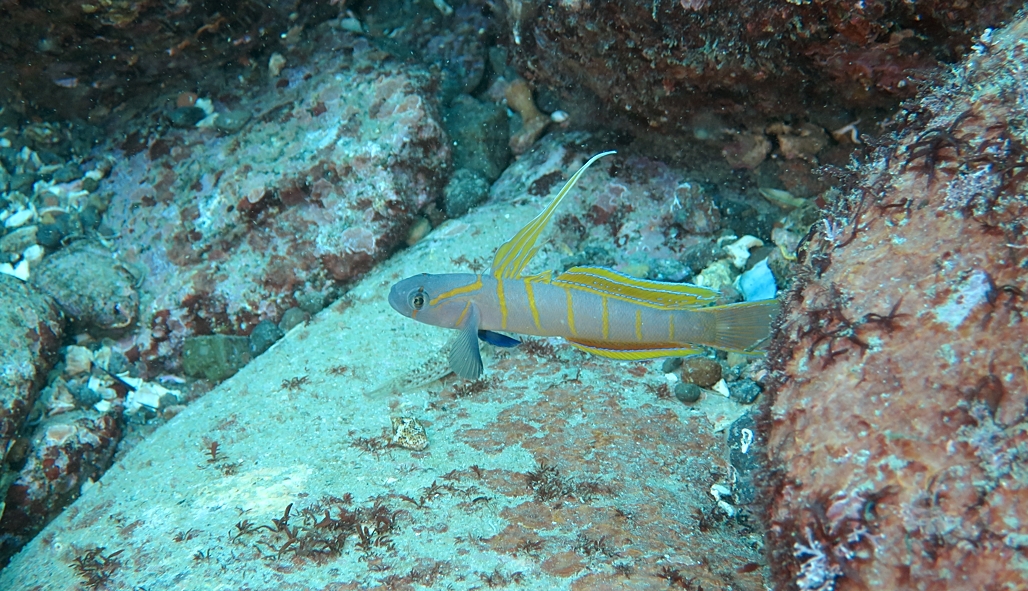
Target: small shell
[77, 360]
[559, 116]
[408, 433]
[19, 219]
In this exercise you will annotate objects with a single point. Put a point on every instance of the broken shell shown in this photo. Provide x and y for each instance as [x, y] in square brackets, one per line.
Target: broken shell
[740, 250]
[33, 254]
[21, 271]
[408, 433]
[19, 218]
[275, 64]
[77, 360]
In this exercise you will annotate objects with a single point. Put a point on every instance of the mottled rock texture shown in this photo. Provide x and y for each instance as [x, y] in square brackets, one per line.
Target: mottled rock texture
[325, 180]
[665, 62]
[31, 327]
[899, 426]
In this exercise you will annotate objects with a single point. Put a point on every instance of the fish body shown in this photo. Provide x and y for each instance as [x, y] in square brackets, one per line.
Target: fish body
[595, 309]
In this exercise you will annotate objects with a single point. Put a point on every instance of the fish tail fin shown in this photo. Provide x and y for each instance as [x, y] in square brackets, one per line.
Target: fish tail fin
[743, 327]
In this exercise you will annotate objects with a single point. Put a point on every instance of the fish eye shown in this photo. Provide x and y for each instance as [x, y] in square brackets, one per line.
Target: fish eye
[417, 301]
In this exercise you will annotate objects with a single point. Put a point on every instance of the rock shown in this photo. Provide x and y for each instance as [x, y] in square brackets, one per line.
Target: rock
[186, 116]
[897, 417]
[479, 133]
[215, 357]
[67, 173]
[744, 391]
[95, 291]
[687, 393]
[67, 452]
[293, 317]
[356, 137]
[232, 121]
[31, 328]
[465, 190]
[264, 336]
[702, 371]
[22, 182]
[19, 239]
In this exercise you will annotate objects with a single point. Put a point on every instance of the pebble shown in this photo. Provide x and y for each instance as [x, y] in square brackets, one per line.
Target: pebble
[22, 182]
[702, 371]
[745, 391]
[49, 235]
[671, 364]
[215, 357]
[687, 393]
[19, 239]
[232, 121]
[293, 317]
[186, 116]
[263, 336]
[66, 174]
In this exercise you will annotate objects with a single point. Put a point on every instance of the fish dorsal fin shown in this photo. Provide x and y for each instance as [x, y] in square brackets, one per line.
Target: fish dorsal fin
[514, 254]
[654, 294]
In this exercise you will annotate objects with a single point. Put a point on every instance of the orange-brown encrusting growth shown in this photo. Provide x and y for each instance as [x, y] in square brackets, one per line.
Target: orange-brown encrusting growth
[899, 423]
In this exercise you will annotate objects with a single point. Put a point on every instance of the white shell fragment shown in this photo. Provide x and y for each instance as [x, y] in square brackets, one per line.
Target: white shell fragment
[740, 250]
[33, 254]
[19, 218]
[77, 360]
[21, 271]
[408, 433]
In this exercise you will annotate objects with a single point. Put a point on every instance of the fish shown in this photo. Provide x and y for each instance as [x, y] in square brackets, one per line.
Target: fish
[596, 309]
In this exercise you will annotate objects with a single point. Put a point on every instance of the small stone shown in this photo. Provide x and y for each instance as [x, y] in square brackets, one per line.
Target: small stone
[89, 217]
[311, 302]
[66, 174]
[745, 391]
[232, 121]
[466, 189]
[49, 235]
[19, 218]
[293, 317]
[702, 371]
[186, 116]
[215, 357]
[408, 433]
[263, 336]
[671, 364]
[687, 393]
[19, 239]
[90, 184]
[22, 182]
[77, 360]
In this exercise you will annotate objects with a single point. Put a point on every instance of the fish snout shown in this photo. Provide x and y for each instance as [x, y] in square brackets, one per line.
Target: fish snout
[398, 299]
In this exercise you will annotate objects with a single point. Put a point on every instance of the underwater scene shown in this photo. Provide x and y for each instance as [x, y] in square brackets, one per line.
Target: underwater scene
[511, 294]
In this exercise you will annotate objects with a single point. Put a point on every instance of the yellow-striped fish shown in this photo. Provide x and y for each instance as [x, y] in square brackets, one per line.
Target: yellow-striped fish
[595, 309]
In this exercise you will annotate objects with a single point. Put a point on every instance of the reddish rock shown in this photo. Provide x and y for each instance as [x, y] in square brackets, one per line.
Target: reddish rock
[67, 452]
[226, 231]
[31, 328]
[662, 63]
[899, 418]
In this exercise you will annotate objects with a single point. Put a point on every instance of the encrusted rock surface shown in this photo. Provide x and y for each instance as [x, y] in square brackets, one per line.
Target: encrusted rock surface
[668, 64]
[66, 453]
[31, 328]
[899, 428]
[226, 231]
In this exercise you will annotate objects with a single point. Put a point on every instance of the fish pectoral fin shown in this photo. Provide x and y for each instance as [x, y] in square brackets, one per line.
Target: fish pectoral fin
[634, 351]
[464, 357]
[497, 340]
